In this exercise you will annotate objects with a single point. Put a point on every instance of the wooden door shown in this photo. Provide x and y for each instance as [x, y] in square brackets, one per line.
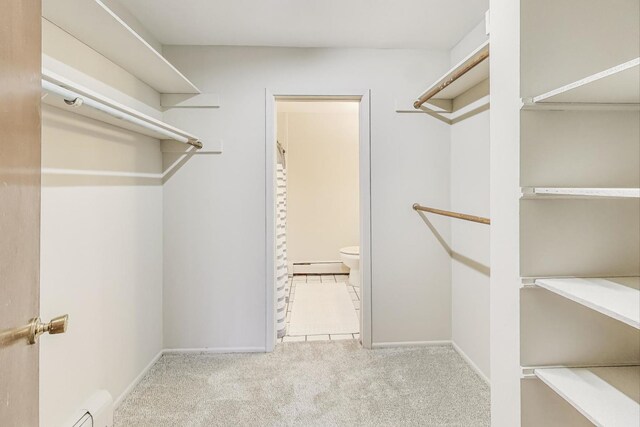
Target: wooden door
[20, 57]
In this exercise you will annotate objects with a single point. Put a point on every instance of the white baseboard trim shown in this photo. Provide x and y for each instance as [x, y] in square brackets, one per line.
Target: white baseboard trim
[471, 363]
[136, 380]
[216, 350]
[377, 345]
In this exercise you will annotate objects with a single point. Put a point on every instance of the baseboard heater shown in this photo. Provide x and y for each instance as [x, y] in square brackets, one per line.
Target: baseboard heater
[321, 267]
[97, 411]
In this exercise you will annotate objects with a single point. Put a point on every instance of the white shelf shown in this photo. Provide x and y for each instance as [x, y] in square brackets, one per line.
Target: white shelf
[605, 396]
[93, 23]
[619, 85]
[471, 78]
[618, 298]
[584, 192]
[58, 101]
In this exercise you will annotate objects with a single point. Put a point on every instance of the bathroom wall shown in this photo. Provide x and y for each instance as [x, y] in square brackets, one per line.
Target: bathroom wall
[101, 238]
[470, 241]
[214, 206]
[321, 140]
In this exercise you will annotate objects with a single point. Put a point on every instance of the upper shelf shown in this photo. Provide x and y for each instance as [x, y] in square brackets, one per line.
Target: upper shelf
[93, 23]
[619, 85]
[474, 76]
[618, 298]
[466, 74]
[583, 192]
[607, 396]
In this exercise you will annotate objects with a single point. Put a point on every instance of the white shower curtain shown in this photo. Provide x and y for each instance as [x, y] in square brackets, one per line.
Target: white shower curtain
[282, 274]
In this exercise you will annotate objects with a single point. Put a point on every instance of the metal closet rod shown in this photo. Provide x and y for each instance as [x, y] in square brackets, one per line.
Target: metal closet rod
[447, 80]
[72, 98]
[456, 215]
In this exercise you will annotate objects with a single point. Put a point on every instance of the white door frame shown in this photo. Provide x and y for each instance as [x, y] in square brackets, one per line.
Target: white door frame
[364, 98]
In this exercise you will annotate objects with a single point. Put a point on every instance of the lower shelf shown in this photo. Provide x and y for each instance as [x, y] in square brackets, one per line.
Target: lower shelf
[606, 396]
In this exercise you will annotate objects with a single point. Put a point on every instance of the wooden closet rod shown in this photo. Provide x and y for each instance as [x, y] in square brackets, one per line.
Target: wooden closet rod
[453, 76]
[457, 215]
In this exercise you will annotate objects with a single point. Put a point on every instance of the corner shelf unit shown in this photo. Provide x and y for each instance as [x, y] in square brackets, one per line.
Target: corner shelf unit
[618, 298]
[120, 115]
[96, 25]
[616, 87]
[579, 235]
[606, 396]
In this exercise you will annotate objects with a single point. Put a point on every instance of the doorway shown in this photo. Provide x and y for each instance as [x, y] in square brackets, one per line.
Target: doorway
[317, 231]
[315, 142]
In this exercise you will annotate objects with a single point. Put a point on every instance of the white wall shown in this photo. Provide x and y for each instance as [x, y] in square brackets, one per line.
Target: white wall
[469, 43]
[321, 140]
[214, 206]
[101, 243]
[470, 241]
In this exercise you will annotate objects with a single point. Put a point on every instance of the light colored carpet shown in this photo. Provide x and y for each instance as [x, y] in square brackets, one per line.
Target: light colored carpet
[322, 309]
[310, 384]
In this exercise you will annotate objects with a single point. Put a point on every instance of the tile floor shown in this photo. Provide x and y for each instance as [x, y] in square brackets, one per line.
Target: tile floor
[300, 280]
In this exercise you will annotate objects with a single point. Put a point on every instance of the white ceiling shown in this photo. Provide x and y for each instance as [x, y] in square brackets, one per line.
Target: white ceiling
[437, 24]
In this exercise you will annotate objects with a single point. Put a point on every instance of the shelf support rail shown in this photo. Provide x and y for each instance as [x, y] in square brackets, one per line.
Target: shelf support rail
[457, 215]
[454, 75]
[73, 99]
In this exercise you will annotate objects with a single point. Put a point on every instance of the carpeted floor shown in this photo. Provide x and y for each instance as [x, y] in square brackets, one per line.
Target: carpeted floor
[310, 384]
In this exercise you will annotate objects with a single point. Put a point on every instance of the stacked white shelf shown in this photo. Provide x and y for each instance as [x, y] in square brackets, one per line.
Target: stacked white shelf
[583, 192]
[94, 23]
[605, 396]
[579, 214]
[618, 85]
[618, 298]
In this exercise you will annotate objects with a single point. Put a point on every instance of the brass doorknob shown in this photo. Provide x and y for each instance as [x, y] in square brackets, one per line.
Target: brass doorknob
[57, 325]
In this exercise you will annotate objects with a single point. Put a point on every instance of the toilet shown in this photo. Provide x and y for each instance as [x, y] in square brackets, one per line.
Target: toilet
[350, 256]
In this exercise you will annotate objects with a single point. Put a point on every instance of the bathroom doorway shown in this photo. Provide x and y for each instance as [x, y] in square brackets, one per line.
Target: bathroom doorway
[318, 237]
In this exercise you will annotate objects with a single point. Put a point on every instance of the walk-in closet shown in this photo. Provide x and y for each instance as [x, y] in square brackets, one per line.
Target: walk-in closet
[320, 213]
